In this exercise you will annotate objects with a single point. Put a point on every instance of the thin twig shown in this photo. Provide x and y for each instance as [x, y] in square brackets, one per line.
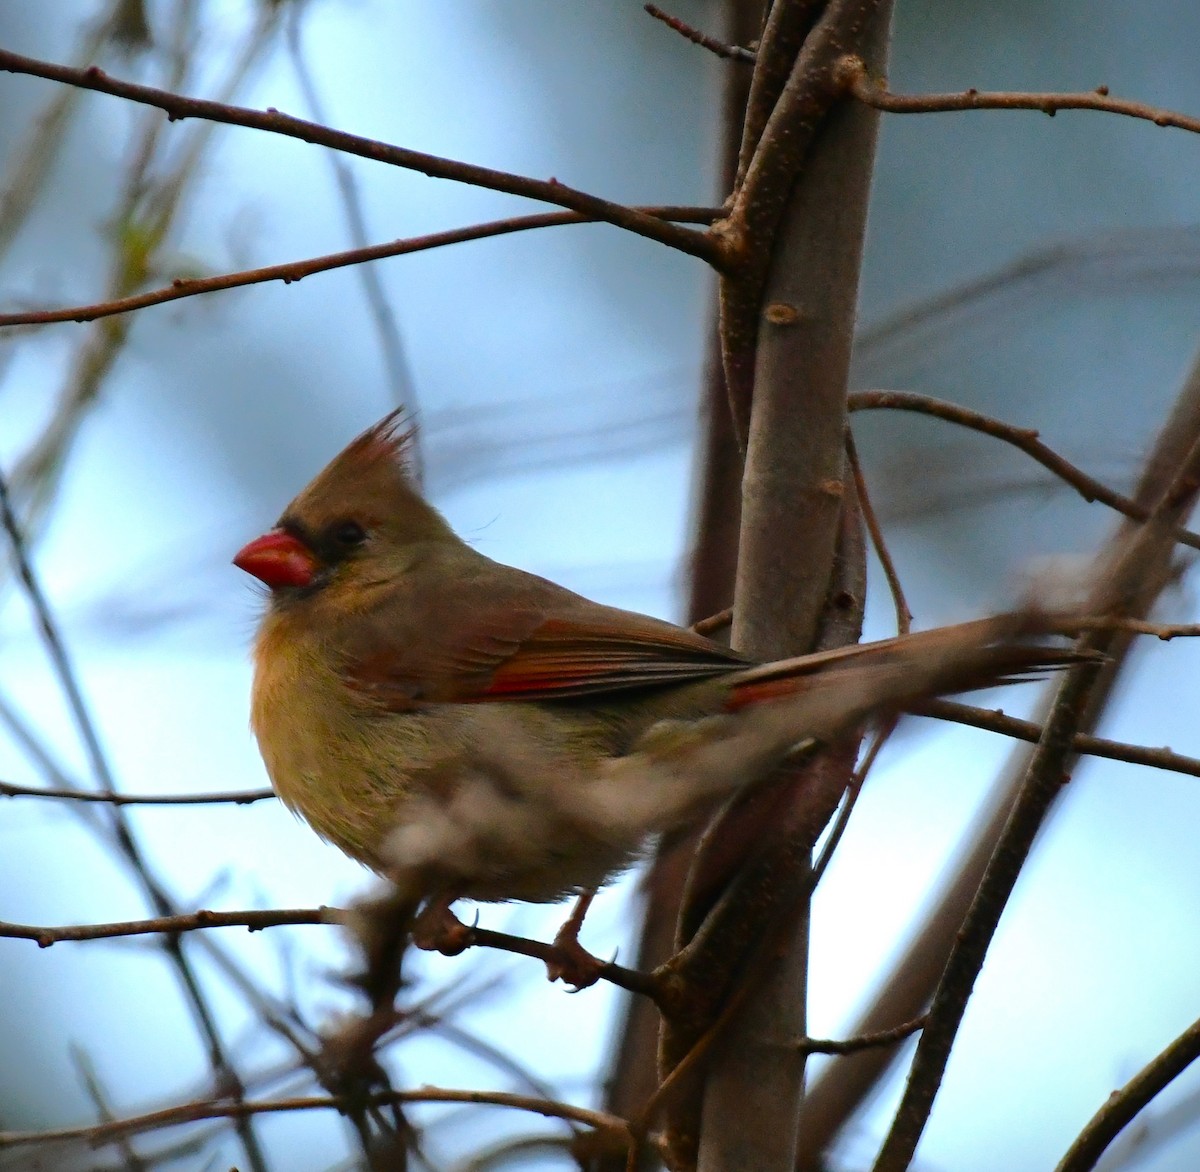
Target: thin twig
[881, 737]
[105, 1133]
[1164, 631]
[629, 979]
[1121, 1106]
[172, 925]
[863, 1041]
[34, 158]
[903, 612]
[257, 920]
[1022, 438]
[243, 797]
[993, 720]
[854, 76]
[297, 270]
[714, 622]
[728, 52]
[177, 106]
[88, 1075]
[52, 639]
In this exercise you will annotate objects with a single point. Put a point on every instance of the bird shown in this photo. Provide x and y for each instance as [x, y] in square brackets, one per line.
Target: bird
[471, 730]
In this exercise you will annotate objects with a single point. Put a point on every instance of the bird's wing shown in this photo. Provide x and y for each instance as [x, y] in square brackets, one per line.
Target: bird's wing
[551, 646]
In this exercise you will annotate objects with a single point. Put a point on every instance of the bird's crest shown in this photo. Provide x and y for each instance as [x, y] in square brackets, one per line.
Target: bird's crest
[388, 441]
[371, 481]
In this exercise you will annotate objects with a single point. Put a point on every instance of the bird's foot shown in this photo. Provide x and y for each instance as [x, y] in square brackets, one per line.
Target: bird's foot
[572, 963]
[438, 929]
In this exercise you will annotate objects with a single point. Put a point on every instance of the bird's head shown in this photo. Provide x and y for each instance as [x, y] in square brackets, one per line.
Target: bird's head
[355, 524]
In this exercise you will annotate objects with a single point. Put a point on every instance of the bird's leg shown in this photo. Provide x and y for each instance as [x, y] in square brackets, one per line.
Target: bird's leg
[437, 929]
[574, 964]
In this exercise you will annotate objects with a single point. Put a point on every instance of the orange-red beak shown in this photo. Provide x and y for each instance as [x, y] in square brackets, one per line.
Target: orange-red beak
[277, 559]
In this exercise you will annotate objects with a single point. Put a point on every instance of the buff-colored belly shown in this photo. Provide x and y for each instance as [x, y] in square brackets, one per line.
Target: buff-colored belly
[425, 797]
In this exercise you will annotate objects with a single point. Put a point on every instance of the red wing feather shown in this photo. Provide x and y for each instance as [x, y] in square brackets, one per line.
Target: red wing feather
[522, 655]
[562, 658]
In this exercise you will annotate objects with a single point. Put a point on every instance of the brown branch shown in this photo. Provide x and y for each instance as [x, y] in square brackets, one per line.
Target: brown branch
[1022, 438]
[783, 34]
[853, 789]
[854, 75]
[632, 1074]
[256, 921]
[796, 227]
[1122, 1106]
[105, 1133]
[52, 640]
[1130, 574]
[871, 520]
[172, 925]
[177, 106]
[243, 797]
[299, 269]
[863, 1041]
[1028, 730]
[1164, 631]
[727, 52]
[714, 622]
[629, 979]
[748, 235]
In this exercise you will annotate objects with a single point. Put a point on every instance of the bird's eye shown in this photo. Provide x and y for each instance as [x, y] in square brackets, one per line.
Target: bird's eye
[349, 534]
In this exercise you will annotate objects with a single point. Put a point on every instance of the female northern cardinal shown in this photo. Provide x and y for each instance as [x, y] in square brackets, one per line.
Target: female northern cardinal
[469, 729]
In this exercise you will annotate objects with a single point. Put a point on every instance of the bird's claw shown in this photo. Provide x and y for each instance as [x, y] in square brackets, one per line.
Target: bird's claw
[438, 929]
[572, 963]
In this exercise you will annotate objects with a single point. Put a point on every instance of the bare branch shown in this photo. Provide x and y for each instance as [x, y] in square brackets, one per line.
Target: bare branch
[297, 270]
[853, 789]
[221, 1064]
[783, 34]
[863, 1041]
[630, 979]
[748, 234]
[714, 622]
[242, 797]
[1130, 575]
[1023, 438]
[52, 640]
[172, 925]
[853, 74]
[728, 52]
[105, 1133]
[1121, 1106]
[177, 107]
[1028, 730]
[871, 520]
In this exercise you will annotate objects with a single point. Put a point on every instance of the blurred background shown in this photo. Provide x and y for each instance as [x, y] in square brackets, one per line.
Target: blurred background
[1047, 272]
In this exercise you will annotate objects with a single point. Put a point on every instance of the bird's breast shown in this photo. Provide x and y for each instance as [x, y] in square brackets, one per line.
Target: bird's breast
[487, 800]
[332, 759]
